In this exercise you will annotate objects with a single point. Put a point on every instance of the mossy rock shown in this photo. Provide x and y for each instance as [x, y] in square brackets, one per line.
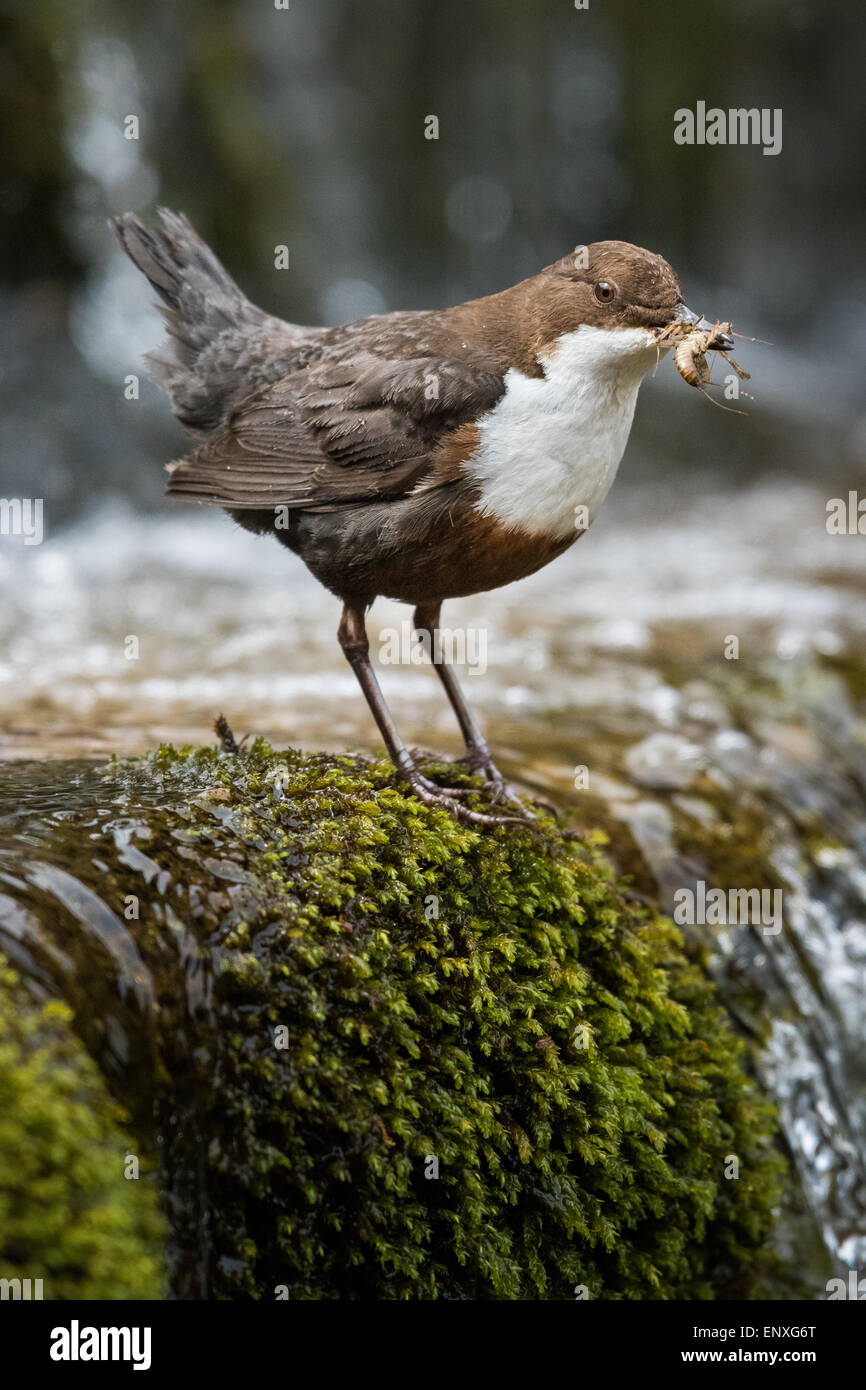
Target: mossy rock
[68, 1214]
[396, 1058]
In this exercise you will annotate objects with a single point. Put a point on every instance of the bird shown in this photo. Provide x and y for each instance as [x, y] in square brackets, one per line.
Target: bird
[421, 455]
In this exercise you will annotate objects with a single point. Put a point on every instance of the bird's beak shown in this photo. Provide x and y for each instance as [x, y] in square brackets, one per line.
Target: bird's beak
[723, 342]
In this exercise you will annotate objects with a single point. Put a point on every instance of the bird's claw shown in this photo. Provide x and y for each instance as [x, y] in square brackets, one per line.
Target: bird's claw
[494, 782]
[496, 788]
[446, 798]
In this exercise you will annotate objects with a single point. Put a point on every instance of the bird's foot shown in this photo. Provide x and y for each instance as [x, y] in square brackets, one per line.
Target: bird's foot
[452, 799]
[478, 760]
[495, 788]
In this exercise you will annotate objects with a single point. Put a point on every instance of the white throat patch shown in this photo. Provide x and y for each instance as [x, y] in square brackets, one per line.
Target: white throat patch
[554, 443]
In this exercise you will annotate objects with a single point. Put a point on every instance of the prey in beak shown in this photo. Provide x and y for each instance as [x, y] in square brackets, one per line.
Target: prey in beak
[693, 337]
[721, 336]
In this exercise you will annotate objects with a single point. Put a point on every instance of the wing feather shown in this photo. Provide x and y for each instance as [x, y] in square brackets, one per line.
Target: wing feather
[365, 428]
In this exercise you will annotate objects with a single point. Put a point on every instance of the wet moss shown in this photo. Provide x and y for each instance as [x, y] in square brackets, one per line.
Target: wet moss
[395, 1058]
[68, 1215]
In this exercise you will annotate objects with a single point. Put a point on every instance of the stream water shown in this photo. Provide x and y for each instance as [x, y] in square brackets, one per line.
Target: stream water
[690, 677]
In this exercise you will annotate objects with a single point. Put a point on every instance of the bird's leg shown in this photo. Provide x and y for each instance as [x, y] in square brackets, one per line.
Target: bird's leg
[352, 636]
[426, 620]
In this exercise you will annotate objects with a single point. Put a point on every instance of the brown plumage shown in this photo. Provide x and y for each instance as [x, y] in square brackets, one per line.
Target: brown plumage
[355, 446]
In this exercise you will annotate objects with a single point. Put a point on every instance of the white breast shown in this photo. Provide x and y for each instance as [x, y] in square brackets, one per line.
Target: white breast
[554, 443]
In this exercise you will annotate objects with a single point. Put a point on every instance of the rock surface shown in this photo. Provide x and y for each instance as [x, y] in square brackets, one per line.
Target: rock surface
[384, 1056]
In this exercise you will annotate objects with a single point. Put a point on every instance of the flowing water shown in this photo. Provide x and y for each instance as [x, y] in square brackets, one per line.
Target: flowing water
[690, 678]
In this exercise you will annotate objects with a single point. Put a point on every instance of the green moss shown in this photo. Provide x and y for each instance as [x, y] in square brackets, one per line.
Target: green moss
[488, 1001]
[68, 1216]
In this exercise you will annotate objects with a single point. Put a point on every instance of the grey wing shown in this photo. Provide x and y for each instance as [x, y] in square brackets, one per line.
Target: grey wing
[367, 429]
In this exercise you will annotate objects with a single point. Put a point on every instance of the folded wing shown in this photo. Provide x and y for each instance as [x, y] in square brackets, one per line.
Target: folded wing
[361, 429]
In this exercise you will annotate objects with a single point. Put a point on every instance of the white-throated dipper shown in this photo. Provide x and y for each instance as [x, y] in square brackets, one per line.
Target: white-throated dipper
[421, 456]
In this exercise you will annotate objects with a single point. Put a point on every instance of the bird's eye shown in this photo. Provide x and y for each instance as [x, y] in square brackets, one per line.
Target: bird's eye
[604, 291]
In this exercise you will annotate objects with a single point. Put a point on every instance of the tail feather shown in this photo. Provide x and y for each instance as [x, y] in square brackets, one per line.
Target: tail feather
[220, 347]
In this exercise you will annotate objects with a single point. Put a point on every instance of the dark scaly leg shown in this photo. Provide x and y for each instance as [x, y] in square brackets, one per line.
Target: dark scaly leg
[352, 635]
[478, 756]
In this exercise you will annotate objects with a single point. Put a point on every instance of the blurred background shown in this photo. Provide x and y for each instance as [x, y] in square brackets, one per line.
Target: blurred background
[305, 127]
